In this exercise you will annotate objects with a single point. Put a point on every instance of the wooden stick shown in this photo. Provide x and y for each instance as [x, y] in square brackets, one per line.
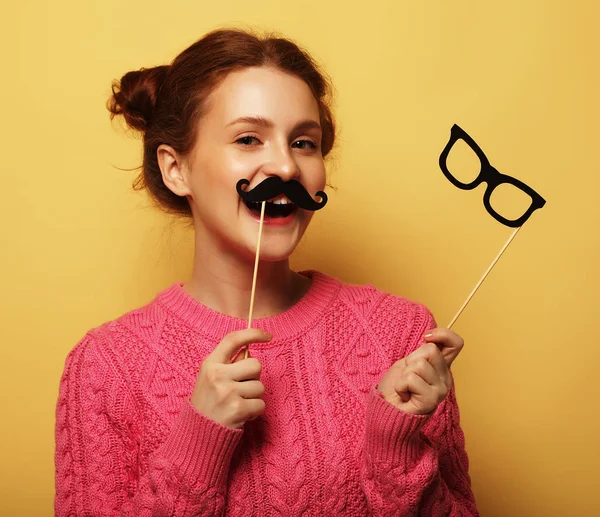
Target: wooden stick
[483, 277]
[260, 227]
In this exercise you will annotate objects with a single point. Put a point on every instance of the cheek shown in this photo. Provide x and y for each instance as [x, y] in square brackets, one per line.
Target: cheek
[236, 166]
[315, 177]
[215, 176]
[307, 216]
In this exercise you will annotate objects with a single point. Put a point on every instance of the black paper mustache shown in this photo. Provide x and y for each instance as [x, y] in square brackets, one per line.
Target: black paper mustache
[274, 186]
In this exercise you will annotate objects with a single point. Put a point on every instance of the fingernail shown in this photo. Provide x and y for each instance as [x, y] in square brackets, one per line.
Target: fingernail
[429, 334]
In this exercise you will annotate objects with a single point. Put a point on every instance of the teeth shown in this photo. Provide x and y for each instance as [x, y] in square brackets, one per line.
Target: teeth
[281, 201]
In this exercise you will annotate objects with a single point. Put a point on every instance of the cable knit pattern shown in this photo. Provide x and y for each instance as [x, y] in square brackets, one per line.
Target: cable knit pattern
[129, 442]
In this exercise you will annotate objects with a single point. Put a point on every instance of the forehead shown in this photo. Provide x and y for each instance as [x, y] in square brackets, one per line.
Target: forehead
[265, 92]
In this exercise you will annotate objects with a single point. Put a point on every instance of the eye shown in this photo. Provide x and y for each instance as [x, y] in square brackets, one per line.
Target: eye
[307, 144]
[247, 140]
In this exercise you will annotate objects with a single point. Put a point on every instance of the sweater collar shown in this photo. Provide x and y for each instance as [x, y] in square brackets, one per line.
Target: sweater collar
[295, 320]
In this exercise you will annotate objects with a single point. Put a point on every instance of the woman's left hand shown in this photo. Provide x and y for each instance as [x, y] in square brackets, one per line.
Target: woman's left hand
[419, 382]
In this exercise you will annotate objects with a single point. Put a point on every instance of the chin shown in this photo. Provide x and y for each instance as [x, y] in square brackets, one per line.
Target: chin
[277, 242]
[273, 248]
[275, 255]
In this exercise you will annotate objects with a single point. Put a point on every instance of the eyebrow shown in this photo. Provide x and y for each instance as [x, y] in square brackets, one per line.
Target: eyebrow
[268, 123]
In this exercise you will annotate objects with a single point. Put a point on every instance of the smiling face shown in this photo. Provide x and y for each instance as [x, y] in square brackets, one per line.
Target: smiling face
[259, 122]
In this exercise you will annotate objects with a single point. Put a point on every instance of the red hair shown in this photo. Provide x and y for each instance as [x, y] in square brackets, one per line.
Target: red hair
[166, 102]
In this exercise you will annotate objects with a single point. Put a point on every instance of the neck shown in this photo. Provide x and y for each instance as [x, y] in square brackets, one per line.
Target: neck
[222, 280]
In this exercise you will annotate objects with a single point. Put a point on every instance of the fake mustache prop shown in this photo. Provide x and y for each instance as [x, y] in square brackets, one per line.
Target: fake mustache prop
[274, 186]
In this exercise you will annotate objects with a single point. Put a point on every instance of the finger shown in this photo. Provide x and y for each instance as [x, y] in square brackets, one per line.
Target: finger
[402, 366]
[244, 370]
[404, 396]
[251, 389]
[254, 408]
[424, 396]
[240, 355]
[449, 342]
[415, 385]
[231, 343]
[424, 369]
[435, 358]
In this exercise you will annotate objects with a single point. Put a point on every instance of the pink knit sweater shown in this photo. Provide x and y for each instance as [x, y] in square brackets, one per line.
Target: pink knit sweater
[129, 442]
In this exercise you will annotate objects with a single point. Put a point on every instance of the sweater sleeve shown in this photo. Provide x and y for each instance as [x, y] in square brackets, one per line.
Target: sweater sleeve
[97, 457]
[415, 464]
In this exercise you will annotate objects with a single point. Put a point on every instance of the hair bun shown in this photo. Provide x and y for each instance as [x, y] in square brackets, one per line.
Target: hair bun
[134, 96]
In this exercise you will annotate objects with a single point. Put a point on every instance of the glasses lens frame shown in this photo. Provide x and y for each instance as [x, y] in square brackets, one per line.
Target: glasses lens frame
[489, 175]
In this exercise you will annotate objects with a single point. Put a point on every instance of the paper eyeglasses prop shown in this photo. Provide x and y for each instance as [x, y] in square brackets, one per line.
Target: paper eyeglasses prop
[270, 188]
[493, 178]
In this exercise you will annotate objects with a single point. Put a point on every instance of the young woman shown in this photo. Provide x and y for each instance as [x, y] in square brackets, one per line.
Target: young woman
[345, 405]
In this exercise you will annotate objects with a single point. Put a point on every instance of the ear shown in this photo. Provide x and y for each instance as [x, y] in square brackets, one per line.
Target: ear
[173, 169]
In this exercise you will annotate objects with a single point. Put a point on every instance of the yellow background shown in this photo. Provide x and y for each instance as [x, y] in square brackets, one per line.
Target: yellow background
[79, 247]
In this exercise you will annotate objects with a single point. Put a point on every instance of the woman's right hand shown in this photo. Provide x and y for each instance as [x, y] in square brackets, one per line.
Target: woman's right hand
[230, 392]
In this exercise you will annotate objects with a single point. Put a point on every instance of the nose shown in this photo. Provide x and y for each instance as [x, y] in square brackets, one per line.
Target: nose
[282, 163]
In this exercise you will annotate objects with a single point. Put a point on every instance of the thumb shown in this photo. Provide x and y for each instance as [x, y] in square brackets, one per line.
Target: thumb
[240, 355]
[449, 343]
[402, 389]
[225, 351]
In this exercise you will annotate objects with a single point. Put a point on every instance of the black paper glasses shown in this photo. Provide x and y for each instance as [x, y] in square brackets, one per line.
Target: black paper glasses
[488, 174]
